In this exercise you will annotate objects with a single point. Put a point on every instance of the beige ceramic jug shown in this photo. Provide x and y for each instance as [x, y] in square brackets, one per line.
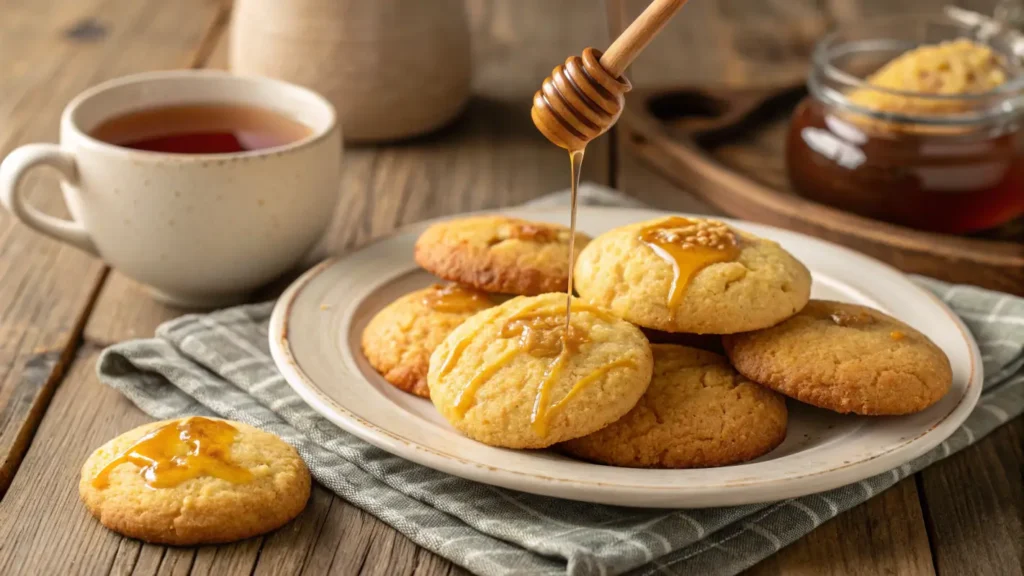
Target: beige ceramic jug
[392, 68]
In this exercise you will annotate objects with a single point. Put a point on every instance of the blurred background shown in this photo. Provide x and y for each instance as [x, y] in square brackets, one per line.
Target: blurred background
[52, 49]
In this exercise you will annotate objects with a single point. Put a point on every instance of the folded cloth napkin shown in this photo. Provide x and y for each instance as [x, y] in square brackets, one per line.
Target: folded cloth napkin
[219, 364]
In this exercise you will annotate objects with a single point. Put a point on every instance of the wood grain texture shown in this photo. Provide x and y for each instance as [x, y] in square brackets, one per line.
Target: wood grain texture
[44, 529]
[975, 508]
[885, 535]
[48, 287]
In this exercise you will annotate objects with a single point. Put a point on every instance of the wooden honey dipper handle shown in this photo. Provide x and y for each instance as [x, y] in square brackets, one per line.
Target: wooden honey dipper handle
[638, 35]
[584, 97]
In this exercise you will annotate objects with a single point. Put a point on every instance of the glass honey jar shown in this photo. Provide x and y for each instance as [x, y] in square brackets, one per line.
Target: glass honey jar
[915, 121]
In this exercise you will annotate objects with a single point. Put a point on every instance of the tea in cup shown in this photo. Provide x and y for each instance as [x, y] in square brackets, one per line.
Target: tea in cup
[200, 184]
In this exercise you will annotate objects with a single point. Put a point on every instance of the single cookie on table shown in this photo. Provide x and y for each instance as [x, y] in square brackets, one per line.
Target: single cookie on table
[508, 376]
[499, 254]
[398, 341]
[194, 481]
[846, 358]
[698, 412]
[691, 275]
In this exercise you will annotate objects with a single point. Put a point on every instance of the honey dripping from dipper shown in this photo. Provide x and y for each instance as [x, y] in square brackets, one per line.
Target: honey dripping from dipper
[575, 167]
[584, 97]
[577, 103]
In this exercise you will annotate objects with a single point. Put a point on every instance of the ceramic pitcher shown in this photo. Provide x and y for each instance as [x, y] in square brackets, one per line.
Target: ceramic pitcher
[392, 68]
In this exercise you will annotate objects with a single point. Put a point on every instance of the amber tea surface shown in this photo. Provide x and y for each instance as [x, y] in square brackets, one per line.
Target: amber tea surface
[201, 129]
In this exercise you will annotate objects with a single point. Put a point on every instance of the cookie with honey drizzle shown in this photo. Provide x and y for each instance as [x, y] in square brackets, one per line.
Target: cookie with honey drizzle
[499, 254]
[512, 376]
[399, 339]
[846, 358]
[194, 481]
[697, 412]
[694, 275]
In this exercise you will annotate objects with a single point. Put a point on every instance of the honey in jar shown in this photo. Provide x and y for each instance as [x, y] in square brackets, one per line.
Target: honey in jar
[929, 137]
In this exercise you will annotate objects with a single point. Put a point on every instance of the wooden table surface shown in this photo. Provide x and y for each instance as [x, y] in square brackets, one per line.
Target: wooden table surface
[60, 307]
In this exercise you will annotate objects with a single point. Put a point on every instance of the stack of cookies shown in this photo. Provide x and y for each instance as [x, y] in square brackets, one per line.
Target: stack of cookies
[685, 337]
[487, 260]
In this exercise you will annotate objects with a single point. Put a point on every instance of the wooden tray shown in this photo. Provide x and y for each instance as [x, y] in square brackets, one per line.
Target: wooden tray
[727, 146]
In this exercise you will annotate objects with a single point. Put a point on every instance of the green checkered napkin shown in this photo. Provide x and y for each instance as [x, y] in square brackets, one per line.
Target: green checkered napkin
[219, 364]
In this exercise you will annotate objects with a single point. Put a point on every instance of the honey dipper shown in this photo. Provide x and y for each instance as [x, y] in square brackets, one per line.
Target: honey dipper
[584, 97]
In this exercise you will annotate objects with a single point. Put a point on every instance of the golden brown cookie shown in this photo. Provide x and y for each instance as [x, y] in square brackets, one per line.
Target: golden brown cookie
[845, 358]
[697, 412]
[499, 254]
[691, 275]
[505, 378]
[398, 341]
[194, 481]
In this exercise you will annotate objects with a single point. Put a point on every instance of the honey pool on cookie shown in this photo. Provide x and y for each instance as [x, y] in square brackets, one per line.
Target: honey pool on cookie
[179, 451]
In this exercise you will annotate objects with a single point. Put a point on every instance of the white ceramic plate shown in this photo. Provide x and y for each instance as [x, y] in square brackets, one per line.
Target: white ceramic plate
[315, 332]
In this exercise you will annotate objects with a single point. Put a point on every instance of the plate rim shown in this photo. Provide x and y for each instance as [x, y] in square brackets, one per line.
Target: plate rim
[599, 491]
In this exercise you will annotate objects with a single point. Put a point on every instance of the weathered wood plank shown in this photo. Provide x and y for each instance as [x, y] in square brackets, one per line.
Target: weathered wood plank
[56, 49]
[44, 529]
[287, 551]
[236, 558]
[52, 50]
[877, 537]
[651, 188]
[429, 564]
[974, 506]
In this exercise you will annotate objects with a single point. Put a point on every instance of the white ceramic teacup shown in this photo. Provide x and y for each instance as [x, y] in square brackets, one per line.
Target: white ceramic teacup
[200, 230]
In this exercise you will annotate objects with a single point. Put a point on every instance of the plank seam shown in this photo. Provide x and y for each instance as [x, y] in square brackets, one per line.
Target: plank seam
[259, 551]
[208, 43]
[929, 525]
[23, 440]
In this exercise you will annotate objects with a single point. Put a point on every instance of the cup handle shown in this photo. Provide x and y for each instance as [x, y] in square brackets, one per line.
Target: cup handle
[14, 168]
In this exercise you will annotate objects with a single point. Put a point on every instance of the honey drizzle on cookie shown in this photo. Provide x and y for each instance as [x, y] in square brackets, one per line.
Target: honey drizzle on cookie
[179, 451]
[538, 332]
[538, 337]
[689, 246]
[456, 299]
[575, 168]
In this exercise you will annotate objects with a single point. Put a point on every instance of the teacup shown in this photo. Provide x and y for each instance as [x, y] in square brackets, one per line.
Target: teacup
[200, 230]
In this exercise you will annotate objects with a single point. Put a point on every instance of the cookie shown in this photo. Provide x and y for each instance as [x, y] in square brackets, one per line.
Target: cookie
[499, 254]
[691, 275]
[504, 377]
[697, 412]
[846, 358]
[398, 341]
[194, 481]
